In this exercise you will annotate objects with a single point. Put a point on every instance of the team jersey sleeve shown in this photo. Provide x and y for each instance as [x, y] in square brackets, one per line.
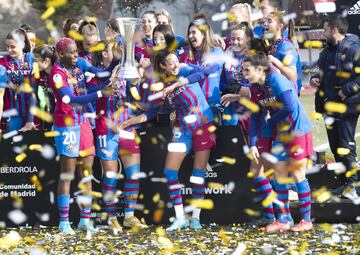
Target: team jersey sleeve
[288, 51]
[288, 101]
[279, 84]
[196, 73]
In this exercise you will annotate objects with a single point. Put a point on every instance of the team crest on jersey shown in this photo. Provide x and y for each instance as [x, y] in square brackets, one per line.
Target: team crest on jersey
[57, 78]
[70, 147]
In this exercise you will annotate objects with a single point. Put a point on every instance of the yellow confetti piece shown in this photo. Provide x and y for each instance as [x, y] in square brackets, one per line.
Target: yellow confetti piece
[56, 3]
[68, 120]
[202, 203]
[51, 133]
[351, 173]
[36, 70]
[250, 105]
[131, 106]
[75, 35]
[96, 207]
[29, 240]
[37, 41]
[322, 195]
[303, 247]
[173, 46]
[215, 185]
[49, 25]
[252, 212]
[326, 227]
[158, 215]
[231, 17]
[51, 40]
[82, 187]
[96, 194]
[202, 27]
[97, 47]
[158, 86]
[227, 160]
[87, 152]
[252, 52]
[335, 107]
[269, 199]
[159, 47]
[267, 43]
[313, 44]
[156, 198]
[35, 180]
[19, 158]
[226, 117]
[345, 75]
[269, 172]
[135, 93]
[212, 129]
[287, 60]
[250, 175]
[276, 104]
[50, 11]
[154, 140]
[343, 151]
[43, 115]
[223, 236]
[295, 148]
[285, 180]
[285, 138]
[316, 116]
[357, 70]
[35, 147]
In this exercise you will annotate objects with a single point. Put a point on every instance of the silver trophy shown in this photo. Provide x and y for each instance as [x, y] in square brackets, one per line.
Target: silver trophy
[128, 27]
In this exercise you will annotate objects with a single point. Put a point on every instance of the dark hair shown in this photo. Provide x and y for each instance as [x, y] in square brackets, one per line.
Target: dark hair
[27, 28]
[113, 24]
[160, 58]
[69, 25]
[149, 12]
[259, 45]
[246, 27]
[167, 32]
[339, 22]
[46, 51]
[20, 34]
[259, 59]
[96, 59]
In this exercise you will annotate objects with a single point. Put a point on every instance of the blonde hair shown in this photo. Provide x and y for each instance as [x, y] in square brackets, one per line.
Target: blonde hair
[244, 9]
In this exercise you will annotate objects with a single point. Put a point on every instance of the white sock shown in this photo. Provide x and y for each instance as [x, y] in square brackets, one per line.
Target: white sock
[179, 211]
[196, 213]
[129, 215]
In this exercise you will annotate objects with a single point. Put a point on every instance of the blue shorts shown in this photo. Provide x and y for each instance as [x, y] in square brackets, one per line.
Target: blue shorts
[68, 141]
[201, 139]
[107, 146]
[14, 123]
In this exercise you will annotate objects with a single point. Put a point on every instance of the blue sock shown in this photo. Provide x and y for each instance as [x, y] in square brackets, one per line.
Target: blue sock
[85, 211]
[198, 190]
[131, 188]
[173, 186]
[63, 207]
[109, 186]
[264, 189]
[304, 200]
[282, 191]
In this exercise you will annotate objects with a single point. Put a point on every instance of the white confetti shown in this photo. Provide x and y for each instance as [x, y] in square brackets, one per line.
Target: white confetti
[90, 115]
[197, 180]
[126, 135]
[239, 249]
[10, 134]
[85, 200]
[67, 176]
[336, 166]
[48, 152]
[17, 138]
[157, 179]
[269, 157]
[155, 96]
[65, 99]
[138, 175]
[17, 216]
[289, 17]
[9, 113]
[190, 119]
[103, 74]
[219, 16]
[177, 147]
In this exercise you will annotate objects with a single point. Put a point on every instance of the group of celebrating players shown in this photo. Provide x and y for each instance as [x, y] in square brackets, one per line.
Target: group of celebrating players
[251, 78]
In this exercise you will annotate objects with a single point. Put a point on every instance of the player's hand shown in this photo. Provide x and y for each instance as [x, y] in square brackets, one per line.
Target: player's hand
[28, 126]
[166, 91]
[144, 63]
[342, 95]
[108, 91]
[219, 41]
[314, 82]
[229, 98]
[254, 154]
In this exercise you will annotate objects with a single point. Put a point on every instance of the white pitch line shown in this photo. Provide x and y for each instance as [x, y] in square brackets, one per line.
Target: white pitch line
[324, 146]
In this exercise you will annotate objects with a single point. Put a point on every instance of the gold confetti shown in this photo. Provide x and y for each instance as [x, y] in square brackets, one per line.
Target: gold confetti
[326, 227]
[97, 47]
[154, 140]
[75, 35]
[322, 195]
[343, 151]
[135, 93]
[56, 3]
[202, 203]
[156, 198]
[158, 86]
[269, 172]
[316, 116]
[285, 180]
[51, 133]
[43, 115]
[227, 160]
[313, 44]
[223, 236]
[212, 129]
[215, 185]
[37, 42]
[158, 215]
[226, 117]
[19, 158]
[357, 70]
[335, 107]
[252, 212]
[345, 75]
[250, 175]
[68, 120]
[36, 70]
[87, 152]
[35, 180]
[35, 147]
[269, 199]
[287, 60]
[250, 105]
[50, 11]
[351, 173]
